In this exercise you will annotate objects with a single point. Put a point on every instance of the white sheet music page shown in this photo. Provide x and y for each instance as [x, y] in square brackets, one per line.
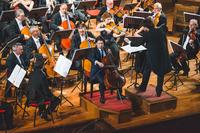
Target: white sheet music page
[130, 49]
[63, 66]
[17, 76]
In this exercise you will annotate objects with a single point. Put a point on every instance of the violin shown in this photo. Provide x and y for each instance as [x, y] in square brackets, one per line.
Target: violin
[114, 28]
[112, 77]
[118, 11]
[192, 35]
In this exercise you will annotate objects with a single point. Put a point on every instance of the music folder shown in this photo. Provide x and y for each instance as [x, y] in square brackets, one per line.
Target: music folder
[61, 33]
[83, 53]
[17, 76]
[188, 16]
[62, 66]
[133, 22]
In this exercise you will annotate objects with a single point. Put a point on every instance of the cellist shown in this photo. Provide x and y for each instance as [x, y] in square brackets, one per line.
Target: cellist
[82, 36]
[97, 73]
[59, 18]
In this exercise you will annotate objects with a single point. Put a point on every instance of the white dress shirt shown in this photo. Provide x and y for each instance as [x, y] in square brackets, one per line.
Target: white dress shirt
[37, 42]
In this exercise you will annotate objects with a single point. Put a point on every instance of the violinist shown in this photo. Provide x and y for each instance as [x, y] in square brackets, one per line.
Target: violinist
[58, 18]
[145, 5]
[77, 39]
[17, 25]
[157, 56]
[159, 17]
[97, 73]
[108, 31]
[191, 44]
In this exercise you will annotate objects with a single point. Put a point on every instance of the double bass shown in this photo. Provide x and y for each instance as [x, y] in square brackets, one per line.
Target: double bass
[112, 77]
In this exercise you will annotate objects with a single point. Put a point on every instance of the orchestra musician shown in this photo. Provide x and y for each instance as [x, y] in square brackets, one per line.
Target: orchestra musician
[145, 5]
[109, 31]
[159, 17]
[189, 40]
[157, 56]
[15, 58]
[97, 73]
[38, 89]
[17, 25]
[57, 19]
[77, 39]
[34, 43]
[25, 5]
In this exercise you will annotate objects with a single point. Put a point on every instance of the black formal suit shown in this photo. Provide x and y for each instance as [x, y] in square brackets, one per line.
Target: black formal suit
[191, 52]
[157, 57]
[11, 62]
[14, 31]
[56, 21]
[38, 90]
[162, 20]
[30, 47]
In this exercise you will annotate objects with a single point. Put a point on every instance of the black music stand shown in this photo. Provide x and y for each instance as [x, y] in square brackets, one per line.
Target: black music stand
[7, 15]
[188, 16]
[142, 14]
[175, 48]
[81, 54]
[130, 7]
[61, 33]
[86, 4]
[135, 41]
[37, 13]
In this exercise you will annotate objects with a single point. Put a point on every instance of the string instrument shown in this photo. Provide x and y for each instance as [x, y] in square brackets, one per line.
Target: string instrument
[49, 52]
[115, 28]
[87, 63]
[192, 35]
[68, 24]
[26, 29]
[156, 19]
[112, 77]
[148, 4]
[118, 11]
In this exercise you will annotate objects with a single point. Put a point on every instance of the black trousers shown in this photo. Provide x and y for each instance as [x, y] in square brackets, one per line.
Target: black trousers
[145, 79]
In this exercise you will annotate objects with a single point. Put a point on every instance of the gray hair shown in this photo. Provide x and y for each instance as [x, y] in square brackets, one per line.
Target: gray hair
[18, 12]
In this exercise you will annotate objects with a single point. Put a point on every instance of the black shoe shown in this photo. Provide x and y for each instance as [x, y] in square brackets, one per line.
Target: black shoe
[141, 88]
[102, 100]
[121, 97]
[158, 92]
[185, 74]
[45, 116]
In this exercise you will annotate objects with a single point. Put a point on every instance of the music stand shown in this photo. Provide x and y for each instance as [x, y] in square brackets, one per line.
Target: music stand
[142, 14]
[175, 48]
[135, 41]
[37, 13]
[188, 16]
[60, 33]
[81, 54]
[130, 7]
[86, 4]
[7, 15]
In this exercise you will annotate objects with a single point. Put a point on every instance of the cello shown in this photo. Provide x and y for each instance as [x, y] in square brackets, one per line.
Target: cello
[68, 24]
[112, 77]
[87, 63]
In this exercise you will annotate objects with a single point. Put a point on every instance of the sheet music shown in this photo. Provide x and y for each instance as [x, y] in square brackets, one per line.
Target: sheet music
[63, 66]
[130, 49]
[17, 76]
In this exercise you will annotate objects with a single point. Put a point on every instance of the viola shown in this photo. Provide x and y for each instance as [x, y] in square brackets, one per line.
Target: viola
[115, 28]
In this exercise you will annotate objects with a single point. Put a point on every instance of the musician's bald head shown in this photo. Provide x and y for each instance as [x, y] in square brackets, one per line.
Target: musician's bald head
[193, 24]
[63, 8]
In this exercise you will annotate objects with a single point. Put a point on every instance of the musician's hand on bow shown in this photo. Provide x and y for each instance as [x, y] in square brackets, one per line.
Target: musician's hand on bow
[101, 65]
[60, 28]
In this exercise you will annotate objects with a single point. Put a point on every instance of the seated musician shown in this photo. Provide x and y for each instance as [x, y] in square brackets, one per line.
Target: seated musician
[108, 8]
[34, 43]
[38, 89]
[145, 5]
[159, 17]
[78, 39]
[25, 5]
[17, 25]
[15, 58]
[97, 73]
[107, 32]
[57, 19]
[191, 44]
[157, 56]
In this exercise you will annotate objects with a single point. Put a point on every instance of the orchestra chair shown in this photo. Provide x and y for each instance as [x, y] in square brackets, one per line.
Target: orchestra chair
[3, 113]
[36, 105]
